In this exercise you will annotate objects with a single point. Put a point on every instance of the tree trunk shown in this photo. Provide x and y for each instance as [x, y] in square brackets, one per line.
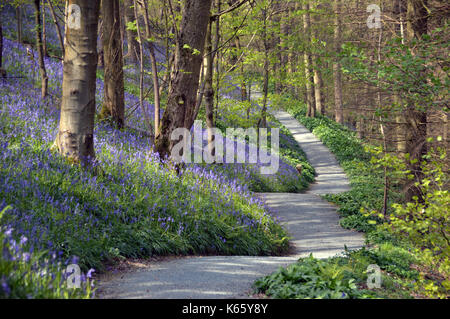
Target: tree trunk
[318, 81]
[166, 79]
[141, 72]
[132, 44]
[154, 69]
[101, 58]
[184, 82]
[200, 90]
[44, 30]
[417, 17]
[40, 49]
[242, 74]
[416, 127]
[122, 27]
[416, 147]
[209, 90]
[338, 106]
[169, 56]
[263, 122]
[399, 12]
[58, 30]
[113, 100]
[400, 140]
[218, 4]
[309, 76]
[19, 24]
[75, 137]
[66, 14]
[318, 87]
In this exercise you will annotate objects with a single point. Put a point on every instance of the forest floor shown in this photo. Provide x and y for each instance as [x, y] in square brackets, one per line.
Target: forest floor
[312, 223]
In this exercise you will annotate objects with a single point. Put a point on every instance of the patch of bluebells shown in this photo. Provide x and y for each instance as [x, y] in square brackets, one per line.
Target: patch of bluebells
[134, 207]
[249, 174]
[20, 64]
[9, 24]
[24, 273]
[286, 178]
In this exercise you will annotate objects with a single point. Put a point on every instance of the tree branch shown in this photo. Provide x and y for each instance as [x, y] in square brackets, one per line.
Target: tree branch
[230, 9]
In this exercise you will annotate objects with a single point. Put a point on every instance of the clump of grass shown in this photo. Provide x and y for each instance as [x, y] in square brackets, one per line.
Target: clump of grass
[343, 277]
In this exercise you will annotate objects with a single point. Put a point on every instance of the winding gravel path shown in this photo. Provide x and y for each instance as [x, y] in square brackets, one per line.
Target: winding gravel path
[312, 222]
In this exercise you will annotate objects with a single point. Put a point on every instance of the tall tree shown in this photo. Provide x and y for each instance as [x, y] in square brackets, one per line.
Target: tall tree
[416, 118]
[218, 4]
[55, 22]
[40, 49]
[75, 138]
[44, 30]
[309, 75]
[142, 70]
[237, 44]
[154, 63]
[338, 105]
[399, 8]
[209, 90]
[184, 81]
[318, 81]
[113, 101]
[265, 38]
[19, 23]
[132, 44]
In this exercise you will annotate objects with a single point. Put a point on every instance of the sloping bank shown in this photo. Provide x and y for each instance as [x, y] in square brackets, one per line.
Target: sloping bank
[61, 214]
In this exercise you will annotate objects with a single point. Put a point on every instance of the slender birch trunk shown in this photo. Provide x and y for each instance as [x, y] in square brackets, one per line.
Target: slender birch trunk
[309, 75]
[154, 69]
[338, 106]
[141, 73]
[40, 49]
[44, 30]
[55, 22]
[209, 90]
[132, 44]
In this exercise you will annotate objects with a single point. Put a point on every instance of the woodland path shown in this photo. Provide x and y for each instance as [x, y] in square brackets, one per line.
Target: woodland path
[312, 222]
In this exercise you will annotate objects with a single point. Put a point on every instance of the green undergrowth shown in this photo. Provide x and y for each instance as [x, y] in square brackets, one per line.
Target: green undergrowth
[346, 276]
[343, 277]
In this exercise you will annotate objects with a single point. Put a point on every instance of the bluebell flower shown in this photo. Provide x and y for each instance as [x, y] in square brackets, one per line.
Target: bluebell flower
[5, 287]
[90, 272]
